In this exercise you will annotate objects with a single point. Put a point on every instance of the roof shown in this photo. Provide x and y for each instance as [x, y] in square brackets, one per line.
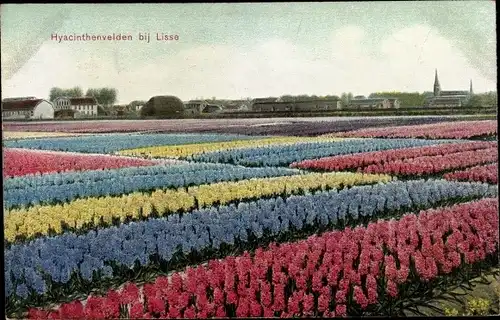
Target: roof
[83, 100]
[451, 97]
[445, 99]
[453, 93]
[212, 107]
[29, 104]
[367, 101]
[299, 101]
[261, 100]
[18, 98]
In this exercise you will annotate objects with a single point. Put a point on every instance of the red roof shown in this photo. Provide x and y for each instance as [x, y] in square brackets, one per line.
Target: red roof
[21, 104]
[80, 101]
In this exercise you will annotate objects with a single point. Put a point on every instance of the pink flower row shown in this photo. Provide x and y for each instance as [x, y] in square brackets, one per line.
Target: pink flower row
[131, 125]
[312, 277]
[445, 130]
[487, 173]
[435, 164]
[20, 162]
[358, 160]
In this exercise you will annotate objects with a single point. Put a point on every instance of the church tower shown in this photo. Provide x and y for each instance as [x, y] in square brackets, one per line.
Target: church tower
[437, 87]
[470, 90]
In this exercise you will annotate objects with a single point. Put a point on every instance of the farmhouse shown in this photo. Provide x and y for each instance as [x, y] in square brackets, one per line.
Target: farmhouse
[381, 103]
[212, 108]
[454, 98]
[27, 108]
[195, 106]
[236, 105]
[310, 105]
[83, 106]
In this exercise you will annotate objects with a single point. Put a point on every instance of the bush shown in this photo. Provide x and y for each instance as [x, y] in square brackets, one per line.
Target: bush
[163, 107]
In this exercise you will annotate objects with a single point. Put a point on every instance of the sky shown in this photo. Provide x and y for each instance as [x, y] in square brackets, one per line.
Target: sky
[233, 51]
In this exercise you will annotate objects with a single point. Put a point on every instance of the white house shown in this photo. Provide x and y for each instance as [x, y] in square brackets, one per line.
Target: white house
[30, 108]
[138, 108]
[83, 106]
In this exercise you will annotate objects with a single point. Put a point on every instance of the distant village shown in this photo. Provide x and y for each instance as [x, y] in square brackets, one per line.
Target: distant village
[89, 107]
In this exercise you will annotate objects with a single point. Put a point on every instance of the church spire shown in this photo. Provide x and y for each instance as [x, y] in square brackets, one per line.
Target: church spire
[470, 90]
[437, 86]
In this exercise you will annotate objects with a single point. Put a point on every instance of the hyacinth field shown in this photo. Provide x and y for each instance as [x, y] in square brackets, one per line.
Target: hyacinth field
[156, 220]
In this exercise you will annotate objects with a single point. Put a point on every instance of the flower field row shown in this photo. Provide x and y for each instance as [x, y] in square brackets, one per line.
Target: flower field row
[319, 127]
[41, 219]
[318, 276]
[285, 155]
[68, 186]
[19, 162]
[33, 266]
[487, 173]
[183, 151]
[445, 130]
[33, 134]
[297, 127]
[170, 125]
[434, 164]
[114, 142]
[360, 160]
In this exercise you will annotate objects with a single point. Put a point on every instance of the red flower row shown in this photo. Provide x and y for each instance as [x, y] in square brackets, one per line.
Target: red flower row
[20, 162]
[444, 130]
[435, 164]
[487, 173]
[316, 276]
[358, 160]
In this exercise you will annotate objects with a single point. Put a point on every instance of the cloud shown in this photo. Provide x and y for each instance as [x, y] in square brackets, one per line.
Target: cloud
[403, 61]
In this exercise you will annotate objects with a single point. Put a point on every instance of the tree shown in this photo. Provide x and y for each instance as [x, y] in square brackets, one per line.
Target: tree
[136, 103]
[287, 98]
[344, 98]
[487, 99]
[56, 92]
[163, 107]
[104, 96]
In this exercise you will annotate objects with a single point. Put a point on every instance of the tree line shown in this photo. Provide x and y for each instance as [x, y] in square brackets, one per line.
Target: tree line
[104, 96]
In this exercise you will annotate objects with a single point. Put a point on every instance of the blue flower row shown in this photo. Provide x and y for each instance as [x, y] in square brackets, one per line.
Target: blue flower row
[113, 142]
[59, 256]
[30, 190]
[286, 154]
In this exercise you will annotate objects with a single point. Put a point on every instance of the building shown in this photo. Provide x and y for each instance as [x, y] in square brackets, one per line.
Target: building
[27, 108]
[195, 106]
[394, 103]
[453, 98]
[237, 105]
[83, 106]
[212, 108]
[378, 103]
[256, 103]
[297, 106]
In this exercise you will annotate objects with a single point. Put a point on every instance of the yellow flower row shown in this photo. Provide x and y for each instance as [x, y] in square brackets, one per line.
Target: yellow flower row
[7, 135]
[76, 214]
[178, 151]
